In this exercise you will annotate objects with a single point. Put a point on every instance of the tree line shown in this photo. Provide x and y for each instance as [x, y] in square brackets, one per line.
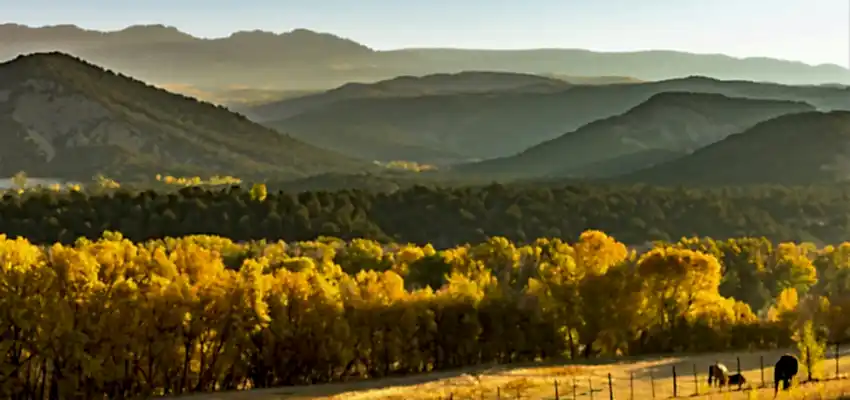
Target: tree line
[118, 319]
[444, 217]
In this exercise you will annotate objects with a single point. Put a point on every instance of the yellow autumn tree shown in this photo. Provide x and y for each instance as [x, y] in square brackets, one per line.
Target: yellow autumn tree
[676, 283]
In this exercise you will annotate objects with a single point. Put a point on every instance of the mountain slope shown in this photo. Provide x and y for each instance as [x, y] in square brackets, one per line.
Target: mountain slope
[668, 122]
[797, 149]
[409, 86]
[62, 117]
[306, 60]
[457, 128]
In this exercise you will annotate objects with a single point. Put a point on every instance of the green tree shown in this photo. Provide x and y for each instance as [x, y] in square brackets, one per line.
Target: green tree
[812, 349]
[259, 192]
[20, 180]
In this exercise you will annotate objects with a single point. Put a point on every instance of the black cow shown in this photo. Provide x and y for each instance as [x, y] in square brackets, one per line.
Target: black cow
[784, 371]
[737, 379]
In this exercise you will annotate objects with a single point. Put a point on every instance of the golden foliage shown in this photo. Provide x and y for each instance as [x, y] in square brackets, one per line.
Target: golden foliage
[197, 181]
[407, 166]
[201, 313]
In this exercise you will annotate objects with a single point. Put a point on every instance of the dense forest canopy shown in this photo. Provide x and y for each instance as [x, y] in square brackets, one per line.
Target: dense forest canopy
[444, 217]
[115, 318]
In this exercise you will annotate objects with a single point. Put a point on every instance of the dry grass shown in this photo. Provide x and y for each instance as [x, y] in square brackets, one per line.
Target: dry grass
[537, 382]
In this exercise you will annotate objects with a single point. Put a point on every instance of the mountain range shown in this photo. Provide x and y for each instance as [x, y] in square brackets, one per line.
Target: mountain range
[667, 126]
[466, 82]
[306, 60]
[65, 118]
[62, 117]
[798, 149]
[441, 120]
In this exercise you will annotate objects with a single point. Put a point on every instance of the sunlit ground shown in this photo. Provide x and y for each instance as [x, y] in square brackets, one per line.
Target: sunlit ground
[538, 382]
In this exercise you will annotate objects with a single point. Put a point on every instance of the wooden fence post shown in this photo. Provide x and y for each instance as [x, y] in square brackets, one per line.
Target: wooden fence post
[675, 384]
[631, 386]
[574, 388]
[837, 356]
[498, 392]
[652, 382]
[557, 395]
[610, 388]
[696, 381]
[590, 386]
[761, 367]
[738, 361]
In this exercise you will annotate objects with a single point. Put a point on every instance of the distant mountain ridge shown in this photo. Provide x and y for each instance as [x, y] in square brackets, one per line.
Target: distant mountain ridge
[667, 124]
[795, 149]
[157, 33]
[307, 60]
[466, 82]
[65, 118]
[385, 121]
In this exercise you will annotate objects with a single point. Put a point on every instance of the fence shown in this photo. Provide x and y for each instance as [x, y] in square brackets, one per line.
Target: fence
[660, 382]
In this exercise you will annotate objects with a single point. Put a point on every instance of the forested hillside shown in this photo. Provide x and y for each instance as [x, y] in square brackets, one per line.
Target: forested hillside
[802, 149]
[668, 125]
[410, 87]
[64, 118]
[444, 217]
[448, 128]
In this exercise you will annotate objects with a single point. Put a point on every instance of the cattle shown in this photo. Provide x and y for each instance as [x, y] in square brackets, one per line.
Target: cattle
[784, 371]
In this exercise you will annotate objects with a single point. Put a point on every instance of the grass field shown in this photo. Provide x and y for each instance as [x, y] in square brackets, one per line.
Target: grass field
[537, 382]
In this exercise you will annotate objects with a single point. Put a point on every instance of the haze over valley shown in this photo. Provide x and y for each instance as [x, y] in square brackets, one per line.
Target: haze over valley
[468, 114]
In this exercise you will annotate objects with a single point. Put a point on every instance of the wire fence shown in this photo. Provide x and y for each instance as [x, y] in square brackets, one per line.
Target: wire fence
[661, 382]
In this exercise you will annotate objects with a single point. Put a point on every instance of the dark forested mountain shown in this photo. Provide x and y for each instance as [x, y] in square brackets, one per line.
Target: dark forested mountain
[303, 59]
[62, 117]
[803, 149]
[657, 130]
[456, 128]
[410, 86]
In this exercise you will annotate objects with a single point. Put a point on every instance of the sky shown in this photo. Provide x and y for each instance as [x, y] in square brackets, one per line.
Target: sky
[811, 31]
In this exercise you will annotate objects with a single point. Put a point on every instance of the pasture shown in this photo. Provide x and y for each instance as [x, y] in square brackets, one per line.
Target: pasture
[630, 378]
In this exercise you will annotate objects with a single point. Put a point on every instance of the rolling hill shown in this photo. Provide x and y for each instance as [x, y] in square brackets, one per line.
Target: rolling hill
[467, 82]
[798, 149]
[62, 117]
[459, 128]
[664, 127]
[308, 60]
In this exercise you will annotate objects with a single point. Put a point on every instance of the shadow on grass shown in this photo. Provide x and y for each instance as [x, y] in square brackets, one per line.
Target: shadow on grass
[658, 367]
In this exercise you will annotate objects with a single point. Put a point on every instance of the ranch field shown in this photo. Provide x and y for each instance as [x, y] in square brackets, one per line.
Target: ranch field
[537, 382]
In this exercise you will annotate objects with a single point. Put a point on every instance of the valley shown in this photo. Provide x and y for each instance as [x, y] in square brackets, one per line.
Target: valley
[301, 214]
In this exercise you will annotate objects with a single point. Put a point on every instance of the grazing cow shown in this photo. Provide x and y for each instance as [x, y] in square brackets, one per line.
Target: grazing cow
[737, 379]
[719, 373]
[784, 371]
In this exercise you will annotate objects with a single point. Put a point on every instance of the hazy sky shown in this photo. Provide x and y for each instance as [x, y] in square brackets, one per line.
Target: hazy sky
[812, 31]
